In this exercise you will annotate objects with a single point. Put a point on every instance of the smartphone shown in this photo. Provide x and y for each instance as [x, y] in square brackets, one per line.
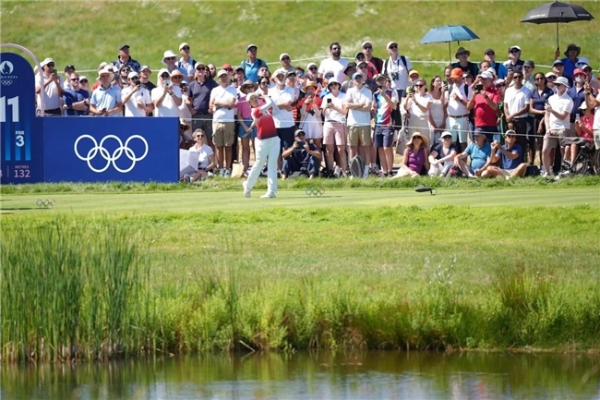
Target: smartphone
[478, 87]
[329, 101]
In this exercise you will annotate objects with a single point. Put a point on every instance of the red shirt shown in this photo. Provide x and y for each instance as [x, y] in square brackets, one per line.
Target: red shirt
[264, 124]
[484, 114]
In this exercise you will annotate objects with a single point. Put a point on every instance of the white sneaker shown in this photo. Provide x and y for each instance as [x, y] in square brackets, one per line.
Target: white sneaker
[222, 172]
[337, 171]
[544, 174]
[366, 172]
[227, 173]
[268, 196]
[247, 193]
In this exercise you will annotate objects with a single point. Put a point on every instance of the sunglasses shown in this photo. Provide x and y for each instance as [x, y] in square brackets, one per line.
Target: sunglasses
[177, 77]
[229, 69]
[164, 76]
[363, 67]
[125, 70]
[517, 77]
[490, 53]
[419, 85]
[171, 58]
[461, 54]
[185, 48]
[393, 47]
[368, 47]
[104, 76]
[75, 79]
[501, 85]
[50, 65]
[285, 59]
[264, 83]
[335, 48]
[200, 69]
[526, 67]
[83, 81]
[551, 77]
[135, 78]
[313, 68]
[198, 136]
[511, 136]
[515, 51]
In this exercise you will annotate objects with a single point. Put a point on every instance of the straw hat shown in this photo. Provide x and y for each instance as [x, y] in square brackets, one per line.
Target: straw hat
[248, 84]
[424, 138]
[311, 83]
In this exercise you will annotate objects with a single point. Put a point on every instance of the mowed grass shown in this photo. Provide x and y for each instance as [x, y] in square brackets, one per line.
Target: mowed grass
[488, 269]
[76, 32]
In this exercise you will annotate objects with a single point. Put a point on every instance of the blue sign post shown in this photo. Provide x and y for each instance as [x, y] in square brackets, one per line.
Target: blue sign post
[21, 152]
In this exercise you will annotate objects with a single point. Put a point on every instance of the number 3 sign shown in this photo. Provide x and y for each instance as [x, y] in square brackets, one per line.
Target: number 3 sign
[21, 152]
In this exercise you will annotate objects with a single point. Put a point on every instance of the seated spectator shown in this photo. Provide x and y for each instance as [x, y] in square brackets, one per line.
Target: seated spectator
[442, 155]
[52, 89]
[136, 99]
[462, 55]
[125, 58]
[76, 100]
[166, 96]
[301, 158]
[480, 153]
[511, 155]
[585, 135]
[106, 100]
[416, 157]
[206, 158]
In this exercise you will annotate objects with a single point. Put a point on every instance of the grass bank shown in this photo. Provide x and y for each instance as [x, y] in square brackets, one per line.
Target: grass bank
[375, 277]
[302, 28]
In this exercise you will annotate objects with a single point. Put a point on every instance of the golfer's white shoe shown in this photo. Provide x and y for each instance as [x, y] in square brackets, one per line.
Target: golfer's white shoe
[268, 196]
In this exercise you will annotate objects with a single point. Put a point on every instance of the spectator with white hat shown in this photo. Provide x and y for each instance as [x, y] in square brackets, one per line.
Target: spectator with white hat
[312, 73]
[441, 158]
[136, 99]
[334, 62]
[550, 78]
[397, 68]
[125, 58]
[52, 89]
[186, 63]
[286, 62]
[223, 100]
[166, 96]
[106, 99]
[170, 60]
[557, 122]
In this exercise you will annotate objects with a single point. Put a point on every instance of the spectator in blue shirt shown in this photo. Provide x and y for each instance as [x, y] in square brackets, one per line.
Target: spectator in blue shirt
[570, 60]
[252, 64]
[125, 58]
[490, 56]
[480, 153]
[511, 155]
[106, 99]
[76, 99]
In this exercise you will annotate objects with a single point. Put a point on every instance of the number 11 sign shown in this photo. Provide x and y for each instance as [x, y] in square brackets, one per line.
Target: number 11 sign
[21, 149]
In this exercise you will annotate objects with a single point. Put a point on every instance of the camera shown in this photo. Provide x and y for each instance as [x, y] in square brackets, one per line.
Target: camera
[479, 88]
[138, 84]
[301, 144]
[395, 76]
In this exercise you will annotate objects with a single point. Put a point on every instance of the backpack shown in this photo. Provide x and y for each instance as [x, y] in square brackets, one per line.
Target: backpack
[386, 63]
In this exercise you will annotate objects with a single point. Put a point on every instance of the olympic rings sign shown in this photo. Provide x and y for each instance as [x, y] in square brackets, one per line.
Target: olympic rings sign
[99, 149]
[315, 192]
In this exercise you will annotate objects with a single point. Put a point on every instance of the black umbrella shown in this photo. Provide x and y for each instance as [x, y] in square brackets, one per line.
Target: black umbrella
[557, 12]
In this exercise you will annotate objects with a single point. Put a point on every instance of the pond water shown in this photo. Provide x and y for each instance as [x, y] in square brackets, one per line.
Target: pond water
[318, 375]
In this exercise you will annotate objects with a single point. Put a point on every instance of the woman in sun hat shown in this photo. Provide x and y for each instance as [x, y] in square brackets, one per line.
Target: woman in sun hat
[310, 114]
[244, 116]
[416, 156]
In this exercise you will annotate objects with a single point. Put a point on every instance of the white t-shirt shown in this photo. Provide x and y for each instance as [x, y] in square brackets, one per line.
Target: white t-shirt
[131, 107]
[397, 68]
[335, 66]
[455, 107]
[517, 99]
[596, 125]
[423, 101]
[51, 97]
[333, 115]
[184, 110]
[167, 108]
[362, 96]
[282, 118]
[224, 94]
[560, 104]
[204, 153]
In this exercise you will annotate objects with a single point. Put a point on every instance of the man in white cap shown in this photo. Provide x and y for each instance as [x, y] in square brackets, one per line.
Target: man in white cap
[106, 99]
[557, 122]
[223, 100]
[170, 60]
[186, 63]
[52, 90]
[252, 64]
[125, 58]
[286, 62]
[397, 68]
[136, 99]
[166, 96]
[358, 103]
[312, 73]
[334, 63]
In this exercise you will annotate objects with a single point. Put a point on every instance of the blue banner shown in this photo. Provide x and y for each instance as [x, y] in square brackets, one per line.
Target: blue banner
[21, 152]
[97, 149]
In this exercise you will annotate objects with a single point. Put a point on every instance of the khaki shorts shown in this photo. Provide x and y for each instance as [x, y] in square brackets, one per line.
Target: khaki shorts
[552, 138]
[359, 132]
[223, 133]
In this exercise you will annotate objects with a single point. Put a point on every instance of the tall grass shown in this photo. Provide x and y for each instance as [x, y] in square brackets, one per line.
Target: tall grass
[70, 289]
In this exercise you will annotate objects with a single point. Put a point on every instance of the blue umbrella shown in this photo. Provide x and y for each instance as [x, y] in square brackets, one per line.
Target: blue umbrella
[449, 34]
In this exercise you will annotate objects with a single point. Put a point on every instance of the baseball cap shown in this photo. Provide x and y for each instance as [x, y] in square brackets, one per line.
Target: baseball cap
[413, 72]
[356, 75]
[510, 132]
[529, 63]
[514, 47]
[226, 66]
[489, 50]
[162, 71]
[367, 43]
[360, 64]
[198, 64]
[182, 45]
[582, 61]
[279, 71]
[46, 62]
[240, 68]
[478, 131]
[486, 75]
[561, 80]
[221, 73]
[456, 73]
[145, 67]
[549, 74]
[132, 74]
[121, 47]
[70, 66]
[445, 134]
[251, 46]
[557, 62]
[359, 54]
[83, 78]
[312, 64]
[350, 65]
[333, 80]
[282, 55]
[579, 71]
[290, 73]
[299, 132]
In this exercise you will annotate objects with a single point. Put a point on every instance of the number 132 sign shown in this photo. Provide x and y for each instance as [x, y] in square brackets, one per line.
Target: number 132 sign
[21, 150]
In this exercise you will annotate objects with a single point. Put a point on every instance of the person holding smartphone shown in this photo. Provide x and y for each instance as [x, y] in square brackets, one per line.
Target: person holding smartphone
[136, 99]
[334, 128]
[485, 102]
[52, 89]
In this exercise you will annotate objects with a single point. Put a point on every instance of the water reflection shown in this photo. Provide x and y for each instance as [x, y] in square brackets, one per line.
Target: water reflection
[320, 375]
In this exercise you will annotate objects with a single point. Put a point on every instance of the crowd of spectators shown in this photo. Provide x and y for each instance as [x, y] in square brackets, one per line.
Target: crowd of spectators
[476, 119]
